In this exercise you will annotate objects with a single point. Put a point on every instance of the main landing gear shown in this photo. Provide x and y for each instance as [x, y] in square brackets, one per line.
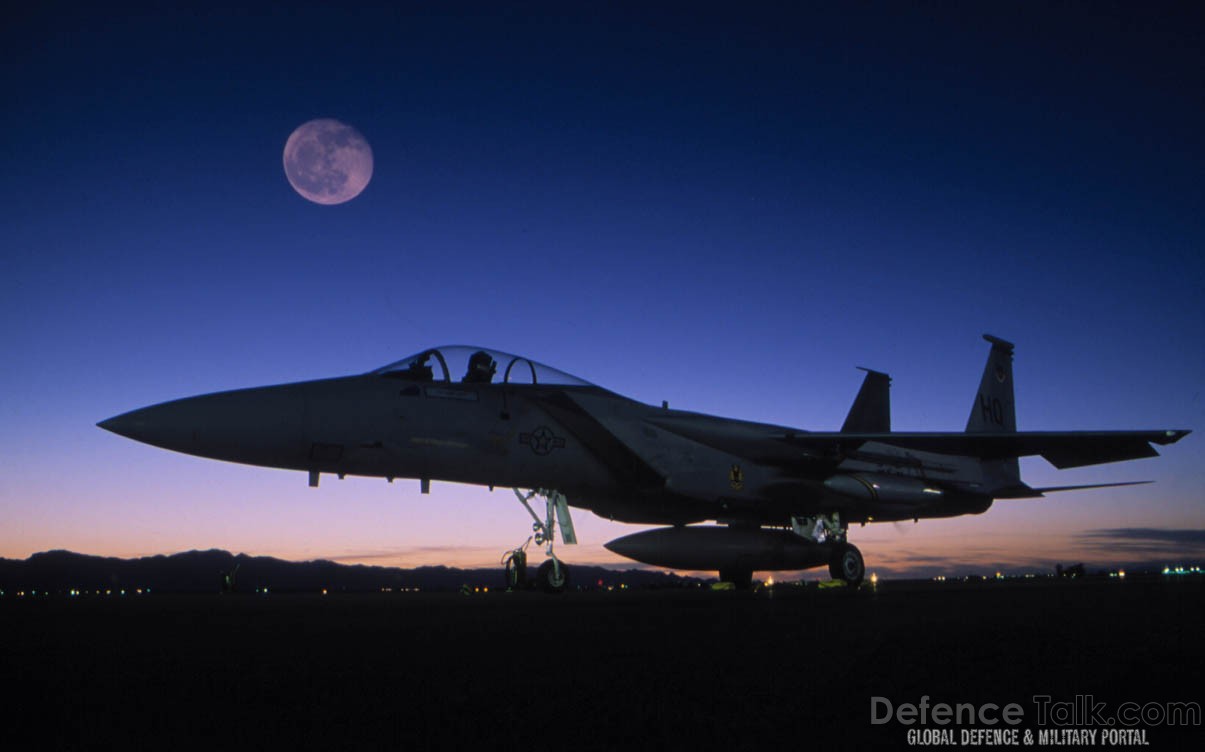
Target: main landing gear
[552, 576]
[846, 561]
[847, 564]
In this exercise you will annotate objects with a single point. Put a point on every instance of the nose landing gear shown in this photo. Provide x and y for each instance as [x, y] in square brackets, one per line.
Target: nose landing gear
[552, 576]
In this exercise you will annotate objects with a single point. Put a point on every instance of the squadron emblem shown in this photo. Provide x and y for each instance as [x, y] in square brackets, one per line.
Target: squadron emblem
[736, 478]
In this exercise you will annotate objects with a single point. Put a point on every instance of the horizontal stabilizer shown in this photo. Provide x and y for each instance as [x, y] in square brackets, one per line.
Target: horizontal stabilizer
[1025, 492]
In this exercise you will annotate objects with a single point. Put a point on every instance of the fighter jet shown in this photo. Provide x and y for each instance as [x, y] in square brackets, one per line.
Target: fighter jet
[768, 497]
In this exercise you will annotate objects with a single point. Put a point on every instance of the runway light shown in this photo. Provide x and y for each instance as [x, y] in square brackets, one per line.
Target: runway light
[874, 579]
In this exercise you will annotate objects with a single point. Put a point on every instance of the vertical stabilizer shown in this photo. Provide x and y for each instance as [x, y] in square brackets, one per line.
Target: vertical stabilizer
[995, 411]
[871, 411]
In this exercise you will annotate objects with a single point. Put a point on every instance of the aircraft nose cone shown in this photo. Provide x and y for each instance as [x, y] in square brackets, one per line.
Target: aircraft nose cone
[159, 425]
[126, 425]
[261, 426]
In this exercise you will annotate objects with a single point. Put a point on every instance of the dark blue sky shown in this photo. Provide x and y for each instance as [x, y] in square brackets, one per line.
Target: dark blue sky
[727, 208]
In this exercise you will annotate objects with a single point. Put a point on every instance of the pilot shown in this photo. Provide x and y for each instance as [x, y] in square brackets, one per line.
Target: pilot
[481, 368]
[418, 370]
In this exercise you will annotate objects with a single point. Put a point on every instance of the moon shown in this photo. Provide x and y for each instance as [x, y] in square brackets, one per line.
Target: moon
[327, 162]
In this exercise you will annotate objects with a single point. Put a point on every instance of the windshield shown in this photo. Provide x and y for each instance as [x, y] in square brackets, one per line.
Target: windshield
[475, 365]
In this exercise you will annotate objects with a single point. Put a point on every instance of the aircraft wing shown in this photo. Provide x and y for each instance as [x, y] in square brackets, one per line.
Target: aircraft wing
[1063, 449]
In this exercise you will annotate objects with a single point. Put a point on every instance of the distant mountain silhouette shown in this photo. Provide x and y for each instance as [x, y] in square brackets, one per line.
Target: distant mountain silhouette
[204, 571]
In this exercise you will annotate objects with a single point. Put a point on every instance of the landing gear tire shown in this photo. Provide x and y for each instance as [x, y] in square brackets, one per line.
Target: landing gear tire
[552, 576]
[741, 579]
[847, 565]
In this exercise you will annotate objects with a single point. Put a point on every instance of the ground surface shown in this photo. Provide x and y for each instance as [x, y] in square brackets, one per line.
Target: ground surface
[630, 670]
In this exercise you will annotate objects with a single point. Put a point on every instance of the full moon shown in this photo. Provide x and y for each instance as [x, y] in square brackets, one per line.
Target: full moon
[327, 162]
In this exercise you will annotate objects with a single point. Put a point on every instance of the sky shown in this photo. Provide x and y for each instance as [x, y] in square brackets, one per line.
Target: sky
[725, 207]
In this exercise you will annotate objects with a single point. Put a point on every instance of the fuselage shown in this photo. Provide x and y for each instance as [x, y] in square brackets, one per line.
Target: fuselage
[622, 459]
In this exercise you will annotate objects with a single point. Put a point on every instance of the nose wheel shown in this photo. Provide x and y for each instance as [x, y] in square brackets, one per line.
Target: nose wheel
[553, 575]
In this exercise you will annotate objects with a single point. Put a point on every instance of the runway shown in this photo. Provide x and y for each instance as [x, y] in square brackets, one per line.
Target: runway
[602, 670]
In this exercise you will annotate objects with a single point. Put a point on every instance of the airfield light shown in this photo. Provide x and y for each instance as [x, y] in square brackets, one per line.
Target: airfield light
[324, 591]
[874, 579]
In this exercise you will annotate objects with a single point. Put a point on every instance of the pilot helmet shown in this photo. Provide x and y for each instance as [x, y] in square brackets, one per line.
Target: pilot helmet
[482, 366]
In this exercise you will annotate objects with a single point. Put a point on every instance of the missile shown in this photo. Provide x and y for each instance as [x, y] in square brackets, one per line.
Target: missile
[712, 547]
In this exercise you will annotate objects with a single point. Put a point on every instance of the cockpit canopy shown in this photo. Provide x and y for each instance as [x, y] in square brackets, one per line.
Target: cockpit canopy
[474, 365]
